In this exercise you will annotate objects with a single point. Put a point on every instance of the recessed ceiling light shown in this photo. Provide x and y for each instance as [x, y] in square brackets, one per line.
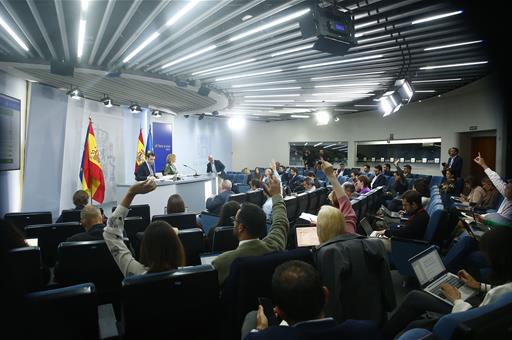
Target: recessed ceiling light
[452, 45]
[13, 34]
[224, 66]
[189, 56]
[300, 116]
[453, 65]
[266, 83]
[246, 75]
[141, 46]
[271, 89]
[341, 61]
[182, 12]
[247, 17]
[291, 50]
[436, 17]
[346, 75]
[435, 80]
[346, 85]
[270, 24]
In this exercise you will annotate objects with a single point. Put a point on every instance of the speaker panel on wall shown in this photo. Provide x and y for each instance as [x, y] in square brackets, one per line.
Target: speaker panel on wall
[62, 68]
[203, 91]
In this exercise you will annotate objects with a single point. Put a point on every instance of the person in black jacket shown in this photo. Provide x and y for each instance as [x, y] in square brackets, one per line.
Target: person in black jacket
[215, 203]
[417, 223]
[92, 221]
[295, 183]
[146, 169]
[379, 179]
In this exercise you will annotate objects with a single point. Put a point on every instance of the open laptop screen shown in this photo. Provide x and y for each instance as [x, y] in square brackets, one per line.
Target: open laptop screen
[307, 237]
[427, 265]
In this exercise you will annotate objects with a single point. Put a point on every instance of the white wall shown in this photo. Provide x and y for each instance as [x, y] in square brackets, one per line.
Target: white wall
[475, 104]
[11, 181]
[194, 140]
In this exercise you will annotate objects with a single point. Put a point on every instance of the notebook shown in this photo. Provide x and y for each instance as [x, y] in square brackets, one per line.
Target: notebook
[431, 273]
[208, 258]
[307, 237]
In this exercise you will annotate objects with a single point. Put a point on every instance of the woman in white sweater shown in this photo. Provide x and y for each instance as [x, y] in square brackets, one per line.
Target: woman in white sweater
[161, 248]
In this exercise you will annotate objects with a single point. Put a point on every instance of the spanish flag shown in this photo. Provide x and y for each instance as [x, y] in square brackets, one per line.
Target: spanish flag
[91, 174]
[141, 157]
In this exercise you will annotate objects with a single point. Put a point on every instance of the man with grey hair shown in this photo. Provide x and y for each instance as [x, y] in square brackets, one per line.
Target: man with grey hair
[350, 190]
[215, 166]
[92, 221]
[215, 203]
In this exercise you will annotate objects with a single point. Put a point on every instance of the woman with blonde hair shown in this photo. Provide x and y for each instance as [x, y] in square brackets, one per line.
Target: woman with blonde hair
[170, 168]
[330, 223]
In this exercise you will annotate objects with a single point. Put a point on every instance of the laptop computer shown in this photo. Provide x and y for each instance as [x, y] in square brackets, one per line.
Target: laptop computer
[32, 242]
[367, 228]
[431, 273]
[307, 237]
[390, 213]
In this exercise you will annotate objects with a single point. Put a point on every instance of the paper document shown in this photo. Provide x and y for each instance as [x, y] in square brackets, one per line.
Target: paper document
[308, 217]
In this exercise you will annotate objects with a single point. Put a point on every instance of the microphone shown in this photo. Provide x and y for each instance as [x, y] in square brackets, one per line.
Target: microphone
[196, 174]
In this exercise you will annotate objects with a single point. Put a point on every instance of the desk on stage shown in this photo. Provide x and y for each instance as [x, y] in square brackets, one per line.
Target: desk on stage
[193, 190]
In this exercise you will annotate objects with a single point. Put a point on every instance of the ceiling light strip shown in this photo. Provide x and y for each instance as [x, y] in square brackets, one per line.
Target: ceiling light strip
[266, 83]
[270, 24]
[141, 47]
[182, 12]
[246, 75]
[291, 50]
[189, 56]
[452, 45]
[453, 65]
[436, 17]
[224, 66]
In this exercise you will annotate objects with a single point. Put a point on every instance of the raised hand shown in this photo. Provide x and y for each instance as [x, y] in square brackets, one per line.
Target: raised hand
[273, 188]
[327, 169]
[480, 161]
[143, 187]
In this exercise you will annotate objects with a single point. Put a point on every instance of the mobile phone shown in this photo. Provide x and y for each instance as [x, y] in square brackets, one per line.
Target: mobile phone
[268, 309]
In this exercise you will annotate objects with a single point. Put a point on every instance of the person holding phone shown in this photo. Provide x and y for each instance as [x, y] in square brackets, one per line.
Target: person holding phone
[299, 299]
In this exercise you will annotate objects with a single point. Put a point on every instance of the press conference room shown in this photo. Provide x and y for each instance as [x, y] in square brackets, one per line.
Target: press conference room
[255, 169]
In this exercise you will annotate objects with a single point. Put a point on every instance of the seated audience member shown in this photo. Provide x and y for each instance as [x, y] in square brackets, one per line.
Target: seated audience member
[366, 170]
[226, 217]
[420, 186]
[309, 184]
[448, 185]
[92, 221]
[255, 185]
[408, 171]
[504, 188]
[379, 179]
[340, 196]
[268, 174]
[362, 185]
[337, 250]
[387, 170]
[214, 203]
[350, 190]
[491, 197]
[294, 183]
[416, 225]
[80, 200]
[399, 186]
[246, 171]
[340, 170]
[170, 167]
[495, 244]
[250, 223]
[160, 249]
[316, 183]
[353, 176]
[175, 204]
[476, 194]
[146, 169]
[299, 298]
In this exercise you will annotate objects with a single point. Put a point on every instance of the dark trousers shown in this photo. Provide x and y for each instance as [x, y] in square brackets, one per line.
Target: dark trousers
[414, 305]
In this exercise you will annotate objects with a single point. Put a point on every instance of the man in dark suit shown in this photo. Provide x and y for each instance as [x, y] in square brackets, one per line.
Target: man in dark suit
[379, 179]
[146, 169]
[299, 298]
[92, 221]
[215, 203]
[295, 183]
[454, 163]
[215, 166]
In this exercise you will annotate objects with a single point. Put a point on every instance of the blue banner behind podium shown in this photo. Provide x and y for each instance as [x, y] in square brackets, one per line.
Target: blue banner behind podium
[162, 143]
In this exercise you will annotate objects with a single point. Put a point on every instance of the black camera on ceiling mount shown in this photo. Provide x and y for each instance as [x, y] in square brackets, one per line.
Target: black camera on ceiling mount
[333, 28]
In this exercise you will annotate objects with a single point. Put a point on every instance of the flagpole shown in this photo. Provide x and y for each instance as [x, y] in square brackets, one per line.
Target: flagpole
[90, 184]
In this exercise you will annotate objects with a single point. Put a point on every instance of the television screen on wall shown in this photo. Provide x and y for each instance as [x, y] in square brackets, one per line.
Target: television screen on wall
[10, 120]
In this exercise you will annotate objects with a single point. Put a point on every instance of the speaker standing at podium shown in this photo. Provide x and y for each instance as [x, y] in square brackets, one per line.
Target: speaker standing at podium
[215, 166]
[146, 169]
